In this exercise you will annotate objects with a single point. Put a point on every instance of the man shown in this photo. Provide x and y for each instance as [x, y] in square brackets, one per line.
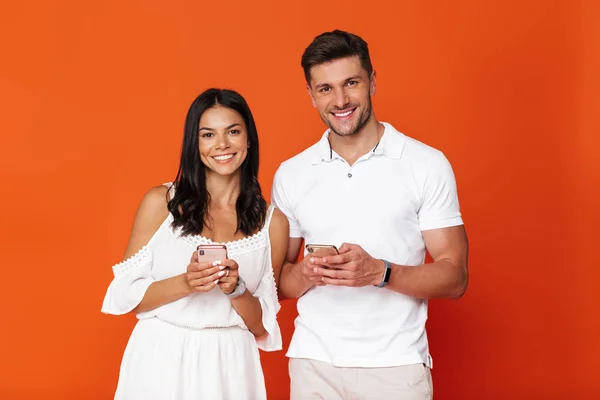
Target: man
[383, 199]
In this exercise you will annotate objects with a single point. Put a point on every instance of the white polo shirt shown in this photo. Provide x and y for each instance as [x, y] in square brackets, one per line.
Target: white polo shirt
[381, 203]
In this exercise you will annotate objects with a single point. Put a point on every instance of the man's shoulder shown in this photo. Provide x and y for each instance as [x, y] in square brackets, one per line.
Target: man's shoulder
[407, 148]
[419, 152]
[300, 161]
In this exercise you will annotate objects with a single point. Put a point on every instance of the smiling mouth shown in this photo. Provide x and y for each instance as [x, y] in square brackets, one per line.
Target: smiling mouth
[224, 157]
[344, 113]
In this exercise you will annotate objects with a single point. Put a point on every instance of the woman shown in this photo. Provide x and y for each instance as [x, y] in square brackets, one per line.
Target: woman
[200, 323]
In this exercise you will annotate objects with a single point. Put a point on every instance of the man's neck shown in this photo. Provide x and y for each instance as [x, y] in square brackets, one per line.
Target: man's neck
[352, 147]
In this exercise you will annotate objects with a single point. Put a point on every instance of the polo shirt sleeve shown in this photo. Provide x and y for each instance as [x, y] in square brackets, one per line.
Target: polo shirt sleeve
[439, 203]
[281, 200]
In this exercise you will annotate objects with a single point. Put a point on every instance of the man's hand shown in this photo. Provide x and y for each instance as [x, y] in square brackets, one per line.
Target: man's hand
[352, 267]
[307, 270]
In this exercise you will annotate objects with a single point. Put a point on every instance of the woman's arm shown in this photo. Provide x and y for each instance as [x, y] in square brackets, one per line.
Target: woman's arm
[248, 306]
[150, 215]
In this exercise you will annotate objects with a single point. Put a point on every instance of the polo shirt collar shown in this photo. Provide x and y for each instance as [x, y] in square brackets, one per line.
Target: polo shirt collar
[390, 145]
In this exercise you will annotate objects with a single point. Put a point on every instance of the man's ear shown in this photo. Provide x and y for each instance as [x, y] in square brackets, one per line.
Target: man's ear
[373, 83]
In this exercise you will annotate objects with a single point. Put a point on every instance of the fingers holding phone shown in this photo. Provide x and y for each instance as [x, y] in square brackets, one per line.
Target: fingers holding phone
[353, 267]
[312, 267]
[230, 274]
[318, 252]
[202, 275]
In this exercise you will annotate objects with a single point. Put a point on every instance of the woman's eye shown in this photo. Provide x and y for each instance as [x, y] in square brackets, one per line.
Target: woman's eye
[206, 135]
[234, 131]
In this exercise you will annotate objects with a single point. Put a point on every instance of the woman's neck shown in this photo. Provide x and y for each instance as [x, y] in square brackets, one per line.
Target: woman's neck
[224, 190]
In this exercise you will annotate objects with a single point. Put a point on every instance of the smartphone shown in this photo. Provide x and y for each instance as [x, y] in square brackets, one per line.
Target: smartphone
[211, 252]
[322, 250]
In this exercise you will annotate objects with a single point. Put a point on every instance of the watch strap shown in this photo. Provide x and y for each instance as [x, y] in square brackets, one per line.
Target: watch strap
[240, 288]
[386, 274]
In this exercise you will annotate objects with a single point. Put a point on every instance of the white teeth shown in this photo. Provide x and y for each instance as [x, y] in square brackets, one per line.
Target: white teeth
[223, 158]
[344, 114]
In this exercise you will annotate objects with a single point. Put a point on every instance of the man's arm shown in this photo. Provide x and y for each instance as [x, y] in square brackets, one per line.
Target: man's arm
[296, 278]
[292, 284]
[445, 277]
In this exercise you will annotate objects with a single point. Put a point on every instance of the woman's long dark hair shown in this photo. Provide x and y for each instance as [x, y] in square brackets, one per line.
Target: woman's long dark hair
[189, 205]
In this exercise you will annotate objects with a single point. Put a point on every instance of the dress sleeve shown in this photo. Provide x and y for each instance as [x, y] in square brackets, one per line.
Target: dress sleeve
[266, 292]
[132, 278]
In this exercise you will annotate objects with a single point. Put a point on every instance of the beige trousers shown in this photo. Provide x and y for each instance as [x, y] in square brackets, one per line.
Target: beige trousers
[311, 380]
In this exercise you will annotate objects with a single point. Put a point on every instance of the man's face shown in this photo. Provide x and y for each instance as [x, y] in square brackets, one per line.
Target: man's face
[341, 91]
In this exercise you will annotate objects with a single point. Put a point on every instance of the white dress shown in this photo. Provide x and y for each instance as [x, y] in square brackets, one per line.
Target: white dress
[197, 347]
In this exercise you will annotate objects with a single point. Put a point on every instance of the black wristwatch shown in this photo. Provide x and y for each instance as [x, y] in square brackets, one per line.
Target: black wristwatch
[386, 274]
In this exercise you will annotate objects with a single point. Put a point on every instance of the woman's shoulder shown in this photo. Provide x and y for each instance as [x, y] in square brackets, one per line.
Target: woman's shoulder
[154, 205]
[156, 198]
[279, 221]
[151, 213]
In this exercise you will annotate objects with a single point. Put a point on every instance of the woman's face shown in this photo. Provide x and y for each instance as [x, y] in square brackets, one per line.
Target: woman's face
[223, 140]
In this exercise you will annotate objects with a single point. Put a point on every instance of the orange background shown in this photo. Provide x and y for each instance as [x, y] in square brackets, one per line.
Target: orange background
[93, 97]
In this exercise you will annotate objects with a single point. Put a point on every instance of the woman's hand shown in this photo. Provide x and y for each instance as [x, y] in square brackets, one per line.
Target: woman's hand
[204, 276]
[229, 279]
